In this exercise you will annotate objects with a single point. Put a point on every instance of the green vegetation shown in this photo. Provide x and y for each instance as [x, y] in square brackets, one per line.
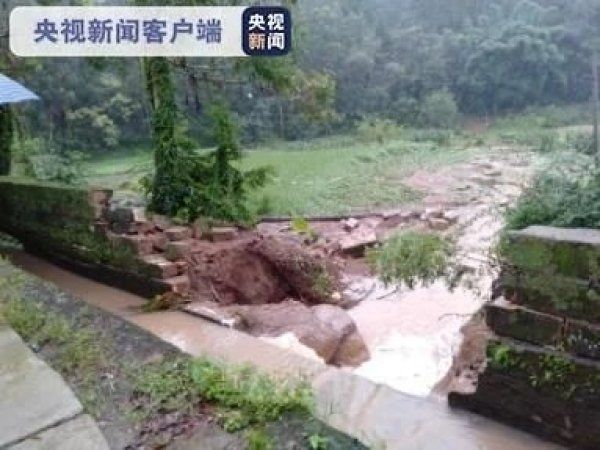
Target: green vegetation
[258, 439]
[550, 373]
[566, 198]
[6, 139]
[246, 396]
[242, 396]
[239, 396]
[59, 219]
[411, 257]
[205, 184]
[335, 175]
[79, 354]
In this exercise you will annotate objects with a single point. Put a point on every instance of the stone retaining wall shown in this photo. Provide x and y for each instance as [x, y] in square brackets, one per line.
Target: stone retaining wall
[543, 365]
[83, 231]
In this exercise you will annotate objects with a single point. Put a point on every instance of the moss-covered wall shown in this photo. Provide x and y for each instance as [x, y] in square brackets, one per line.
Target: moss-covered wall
[59, 220]
[543, 363]
[553, 270]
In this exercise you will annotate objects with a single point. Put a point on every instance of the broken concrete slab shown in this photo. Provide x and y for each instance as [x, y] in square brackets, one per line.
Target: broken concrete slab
[76, 434]
[178, 233]
[213, 313]
[356, 243]
[34, 397]
[159, 267]
[222, 234]
[350, 224]
[179, 284]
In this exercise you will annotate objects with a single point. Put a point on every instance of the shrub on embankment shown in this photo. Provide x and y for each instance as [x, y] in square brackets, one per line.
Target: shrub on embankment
[569, 197]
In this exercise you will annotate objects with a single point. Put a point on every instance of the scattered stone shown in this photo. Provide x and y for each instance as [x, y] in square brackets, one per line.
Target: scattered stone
[142, 245]
[350, 224]
[178, 250]
[434, 213]
[493, 173]
[161, 222]
[357, 243]
[139, 214]
[179, 285]
[160, 241]
[160, 267]
[222, 234]
[182, 267]
[211, 311]
[178, 233]
[142, 227]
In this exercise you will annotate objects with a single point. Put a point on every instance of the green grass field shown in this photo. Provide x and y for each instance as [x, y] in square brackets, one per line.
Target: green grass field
[325, 176]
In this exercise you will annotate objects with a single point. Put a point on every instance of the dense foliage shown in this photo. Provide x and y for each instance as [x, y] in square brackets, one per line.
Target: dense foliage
[415, 62]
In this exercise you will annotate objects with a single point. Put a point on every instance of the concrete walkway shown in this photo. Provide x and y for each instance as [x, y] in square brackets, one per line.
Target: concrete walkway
[37, 408]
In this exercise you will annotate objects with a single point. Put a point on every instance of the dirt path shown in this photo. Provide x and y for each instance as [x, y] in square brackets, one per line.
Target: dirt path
[414, 335]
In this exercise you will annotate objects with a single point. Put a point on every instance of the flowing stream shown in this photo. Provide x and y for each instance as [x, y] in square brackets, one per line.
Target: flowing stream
[414, 416]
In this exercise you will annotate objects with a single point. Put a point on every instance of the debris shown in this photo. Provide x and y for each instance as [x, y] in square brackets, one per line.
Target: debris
[178, 233]
[350, 224]
[222, 234]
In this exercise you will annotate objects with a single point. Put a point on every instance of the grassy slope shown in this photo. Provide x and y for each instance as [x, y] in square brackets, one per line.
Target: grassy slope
[325, 176]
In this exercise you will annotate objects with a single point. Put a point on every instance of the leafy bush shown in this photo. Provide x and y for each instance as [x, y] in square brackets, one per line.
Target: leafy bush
[439, 110]
[208, 184]
[93, 129]
[559, 200]
[439, 137]
[581, 142]
[411, 257]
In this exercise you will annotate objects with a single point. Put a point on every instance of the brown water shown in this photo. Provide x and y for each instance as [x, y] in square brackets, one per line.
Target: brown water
[404, 422]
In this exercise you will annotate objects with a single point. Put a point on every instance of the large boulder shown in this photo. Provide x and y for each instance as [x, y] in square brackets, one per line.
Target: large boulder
[326, 329]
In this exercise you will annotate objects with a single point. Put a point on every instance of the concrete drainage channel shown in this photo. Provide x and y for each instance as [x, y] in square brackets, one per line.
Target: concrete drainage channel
[377, 415]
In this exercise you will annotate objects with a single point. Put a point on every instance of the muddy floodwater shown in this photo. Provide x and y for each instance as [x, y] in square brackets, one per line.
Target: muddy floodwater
[455, 430]
[413, 335]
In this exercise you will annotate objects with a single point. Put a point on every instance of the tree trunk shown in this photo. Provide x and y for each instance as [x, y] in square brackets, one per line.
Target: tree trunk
[161, 90]
[6, 138]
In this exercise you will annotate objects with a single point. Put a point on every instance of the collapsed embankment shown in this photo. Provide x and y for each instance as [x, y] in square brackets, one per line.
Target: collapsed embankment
[267, 286]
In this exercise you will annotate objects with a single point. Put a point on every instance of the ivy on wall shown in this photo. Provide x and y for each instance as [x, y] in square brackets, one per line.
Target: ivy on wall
[6, 138]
